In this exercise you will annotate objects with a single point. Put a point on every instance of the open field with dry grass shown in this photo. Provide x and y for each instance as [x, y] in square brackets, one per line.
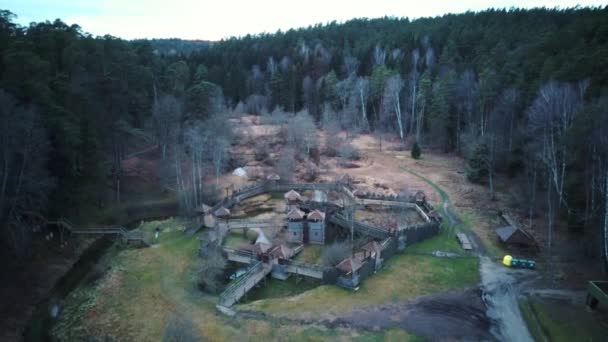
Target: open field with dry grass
[141, 288]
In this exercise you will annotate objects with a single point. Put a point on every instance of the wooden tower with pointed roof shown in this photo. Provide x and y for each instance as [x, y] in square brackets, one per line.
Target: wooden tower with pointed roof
[316, 227]
[295, 226]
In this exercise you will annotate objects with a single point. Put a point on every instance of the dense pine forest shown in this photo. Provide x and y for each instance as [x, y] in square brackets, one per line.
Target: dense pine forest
[521, 94]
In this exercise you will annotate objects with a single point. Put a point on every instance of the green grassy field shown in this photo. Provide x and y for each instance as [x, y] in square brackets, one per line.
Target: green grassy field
[404, 276]
[562, 321]
[140, 288]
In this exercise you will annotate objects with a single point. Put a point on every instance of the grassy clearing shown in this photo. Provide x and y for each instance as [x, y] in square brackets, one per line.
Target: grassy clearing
[562, 321]
[403, 277]
[235, 240]
[142, 287]
[311, 254]
[274, 288]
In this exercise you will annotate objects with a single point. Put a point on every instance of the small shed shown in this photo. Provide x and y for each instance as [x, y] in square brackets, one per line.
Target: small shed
[292, 196]
[293, 199]
[349, 266]
[371, 249]
[281, 252]
[295, 214]
[359, 193]
[273, 177]
[222, 212]
[420, 197]
[262, 248]
[514, 236]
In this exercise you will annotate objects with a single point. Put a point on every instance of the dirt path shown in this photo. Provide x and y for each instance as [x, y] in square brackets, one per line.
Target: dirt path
[498, 284]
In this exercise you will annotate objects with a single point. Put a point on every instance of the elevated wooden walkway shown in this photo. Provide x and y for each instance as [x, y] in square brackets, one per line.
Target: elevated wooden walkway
[308, 270]
[359, 227]
[126, 235]
[238, 288]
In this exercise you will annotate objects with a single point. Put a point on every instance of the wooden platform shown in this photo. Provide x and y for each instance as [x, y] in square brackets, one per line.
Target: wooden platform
[464, 241]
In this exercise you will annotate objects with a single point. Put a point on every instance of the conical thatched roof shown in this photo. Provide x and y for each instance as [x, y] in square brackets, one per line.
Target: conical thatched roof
[281, 252]
[316, 215]
[292, 195]
[349, 265]
[222, 212]
[295, 214]
[273, 177]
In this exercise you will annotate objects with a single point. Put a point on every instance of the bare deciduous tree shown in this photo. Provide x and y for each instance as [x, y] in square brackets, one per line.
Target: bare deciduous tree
[25, 182]
[392, 103]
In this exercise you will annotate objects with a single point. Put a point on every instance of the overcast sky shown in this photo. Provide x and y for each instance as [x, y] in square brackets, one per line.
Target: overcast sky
[213, 20]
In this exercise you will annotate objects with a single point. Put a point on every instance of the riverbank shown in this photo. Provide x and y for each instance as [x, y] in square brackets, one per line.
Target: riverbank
[29, 282]
[32, 281]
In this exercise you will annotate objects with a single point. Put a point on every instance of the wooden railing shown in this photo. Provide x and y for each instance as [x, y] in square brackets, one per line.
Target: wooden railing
[239, 287]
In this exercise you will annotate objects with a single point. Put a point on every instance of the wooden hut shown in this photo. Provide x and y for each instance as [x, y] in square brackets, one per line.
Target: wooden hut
[349, 266]
[359, 193]
[371, 250]
[295, 225]
[316, 227]
[222, 212]
[420, 197]
[281, 252]
[515, 236]
[293, 199]
[273, 177]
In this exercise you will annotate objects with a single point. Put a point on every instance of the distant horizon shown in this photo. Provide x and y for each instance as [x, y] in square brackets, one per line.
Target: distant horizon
[192, 20]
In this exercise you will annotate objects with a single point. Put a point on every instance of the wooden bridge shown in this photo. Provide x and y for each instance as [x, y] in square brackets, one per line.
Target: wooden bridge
[301, 268]
[126, 235]
[236, 224]
[289, 266]
[238, 288]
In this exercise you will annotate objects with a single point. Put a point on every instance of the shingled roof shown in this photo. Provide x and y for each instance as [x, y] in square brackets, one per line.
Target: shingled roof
[222, 212]
[510, 234]
[261, 247]
[316, 215]
[295, 214]
[349, 265]
[292, 195]
[273, 177]
[281, 252]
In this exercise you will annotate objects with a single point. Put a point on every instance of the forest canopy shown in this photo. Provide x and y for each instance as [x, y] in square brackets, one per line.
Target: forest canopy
[518, 92]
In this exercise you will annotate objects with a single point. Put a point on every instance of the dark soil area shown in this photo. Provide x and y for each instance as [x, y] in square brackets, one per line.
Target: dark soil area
[28, 281]
[447, 316]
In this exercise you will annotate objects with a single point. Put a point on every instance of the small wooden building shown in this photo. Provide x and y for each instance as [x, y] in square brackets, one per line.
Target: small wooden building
[420, 197]
[273, 177]
[261, 248]
[222, 212]
[359, 193]
[295, 225]
[281, 252]
[515, 236]
[349, 266]
[316, 227]
[293, 199]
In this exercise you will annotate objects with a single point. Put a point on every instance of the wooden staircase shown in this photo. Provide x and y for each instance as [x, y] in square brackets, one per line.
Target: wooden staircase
[238, 288]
